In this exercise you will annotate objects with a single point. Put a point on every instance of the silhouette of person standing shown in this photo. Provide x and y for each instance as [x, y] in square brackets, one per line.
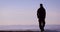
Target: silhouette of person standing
[41, 13]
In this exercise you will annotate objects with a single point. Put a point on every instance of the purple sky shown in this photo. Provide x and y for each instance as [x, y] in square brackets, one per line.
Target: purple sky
[23, 12]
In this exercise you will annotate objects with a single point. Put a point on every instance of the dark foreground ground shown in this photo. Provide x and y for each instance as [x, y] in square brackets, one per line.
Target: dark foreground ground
[32, 31]
[19, 31]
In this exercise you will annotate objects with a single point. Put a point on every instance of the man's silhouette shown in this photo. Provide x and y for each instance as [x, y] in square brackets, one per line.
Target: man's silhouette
[41, 13]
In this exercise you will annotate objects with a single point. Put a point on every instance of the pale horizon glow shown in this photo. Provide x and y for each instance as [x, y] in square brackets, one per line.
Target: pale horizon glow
[23, 12]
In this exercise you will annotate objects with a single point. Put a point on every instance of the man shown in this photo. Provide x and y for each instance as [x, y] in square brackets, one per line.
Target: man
[41, 14]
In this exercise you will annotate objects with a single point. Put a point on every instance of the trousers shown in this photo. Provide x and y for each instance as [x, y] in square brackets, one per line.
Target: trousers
[42, 24]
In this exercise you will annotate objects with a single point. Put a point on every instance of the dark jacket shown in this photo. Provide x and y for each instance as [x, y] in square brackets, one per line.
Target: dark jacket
[41, 13]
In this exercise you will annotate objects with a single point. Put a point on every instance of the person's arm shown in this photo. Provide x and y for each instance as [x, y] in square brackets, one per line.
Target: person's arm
[37, 14]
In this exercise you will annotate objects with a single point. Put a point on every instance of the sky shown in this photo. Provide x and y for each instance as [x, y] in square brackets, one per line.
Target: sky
[24, 12]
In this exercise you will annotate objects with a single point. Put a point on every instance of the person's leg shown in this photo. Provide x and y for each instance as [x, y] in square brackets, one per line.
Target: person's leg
[43, 21]
[40, 24]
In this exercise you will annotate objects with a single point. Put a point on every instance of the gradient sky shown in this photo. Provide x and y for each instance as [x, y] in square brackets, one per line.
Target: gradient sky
[23, 12]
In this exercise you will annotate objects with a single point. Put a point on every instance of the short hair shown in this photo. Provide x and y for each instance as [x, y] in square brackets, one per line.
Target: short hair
[41, 4]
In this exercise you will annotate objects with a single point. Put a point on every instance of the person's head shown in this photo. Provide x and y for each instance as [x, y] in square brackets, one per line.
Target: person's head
[41, 5]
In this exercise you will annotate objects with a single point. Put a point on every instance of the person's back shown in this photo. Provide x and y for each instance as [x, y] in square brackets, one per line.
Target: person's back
[41, 17]
[41, 12]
